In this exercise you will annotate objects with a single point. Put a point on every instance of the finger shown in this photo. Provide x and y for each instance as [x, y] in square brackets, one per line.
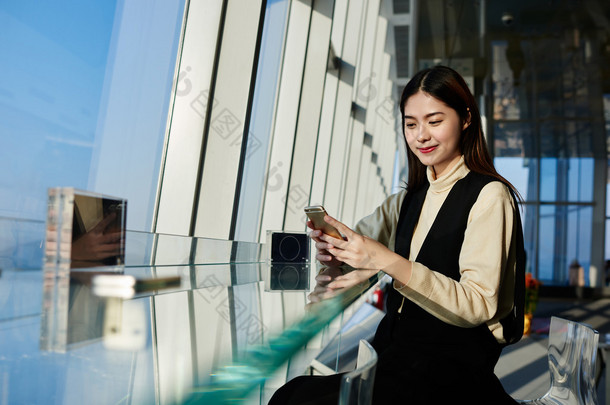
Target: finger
[342, 282]
[321, 246]
[313, 298]
[111, 237]
[337, 253]
[332, 242]
[337, 284]
[107, 220]
[340, 254]
[324, 258]
[315, 235]
[319, 289]
[109, 248]
[339, 225]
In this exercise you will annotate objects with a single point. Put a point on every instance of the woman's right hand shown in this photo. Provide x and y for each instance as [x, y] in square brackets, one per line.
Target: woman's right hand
[323, 256]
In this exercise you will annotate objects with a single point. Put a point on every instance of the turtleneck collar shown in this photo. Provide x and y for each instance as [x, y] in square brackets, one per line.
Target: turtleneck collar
[447, 180]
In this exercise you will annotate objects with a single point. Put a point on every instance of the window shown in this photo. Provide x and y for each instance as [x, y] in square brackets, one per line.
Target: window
[84, 99]
[545, 140]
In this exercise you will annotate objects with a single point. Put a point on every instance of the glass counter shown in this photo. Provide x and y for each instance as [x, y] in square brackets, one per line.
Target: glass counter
[212, 327]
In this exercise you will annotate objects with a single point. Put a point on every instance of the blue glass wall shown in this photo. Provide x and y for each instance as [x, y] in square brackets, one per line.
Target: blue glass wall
[84, 98]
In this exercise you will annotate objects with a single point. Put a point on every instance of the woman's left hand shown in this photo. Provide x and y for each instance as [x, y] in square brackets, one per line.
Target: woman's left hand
[358, 251]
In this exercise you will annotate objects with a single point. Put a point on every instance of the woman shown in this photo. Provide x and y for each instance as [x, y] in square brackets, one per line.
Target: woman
[452, 243]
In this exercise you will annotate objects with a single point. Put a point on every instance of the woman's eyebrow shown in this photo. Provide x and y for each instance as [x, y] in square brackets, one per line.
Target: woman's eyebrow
[427, 115]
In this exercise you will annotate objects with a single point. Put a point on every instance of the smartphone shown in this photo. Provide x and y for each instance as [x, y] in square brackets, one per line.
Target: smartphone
[316, 214]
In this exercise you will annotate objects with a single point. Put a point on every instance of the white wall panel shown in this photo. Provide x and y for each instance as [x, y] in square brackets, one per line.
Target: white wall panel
[335, 183]
[327, 114]
[375, 94]
[309, 115]
[354, 170]
[286, 117]
[183, 147]
[228, 114]
[373, 193]
[358, 179]
[359, 155]
[365, 75]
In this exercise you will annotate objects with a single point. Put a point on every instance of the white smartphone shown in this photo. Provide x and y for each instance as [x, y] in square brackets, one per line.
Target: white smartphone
[316, 214]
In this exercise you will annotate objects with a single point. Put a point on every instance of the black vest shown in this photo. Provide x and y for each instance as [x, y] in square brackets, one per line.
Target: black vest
[440, 251]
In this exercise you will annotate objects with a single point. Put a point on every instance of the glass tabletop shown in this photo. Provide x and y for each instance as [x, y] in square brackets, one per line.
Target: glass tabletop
[195, 333]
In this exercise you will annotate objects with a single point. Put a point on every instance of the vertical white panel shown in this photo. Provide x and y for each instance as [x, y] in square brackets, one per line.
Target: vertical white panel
[371, 91]
[359, 168]
[224, 136]
[183, 147]
[353, 171]
[286, 117]
[372, 194]
[388, 151]
[335, 183]
[366, 181]
[264, 104]
[365, 72]
[328, 109]
[309, 115]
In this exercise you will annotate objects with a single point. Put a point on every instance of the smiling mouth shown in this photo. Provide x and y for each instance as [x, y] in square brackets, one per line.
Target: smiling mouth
[427, 150]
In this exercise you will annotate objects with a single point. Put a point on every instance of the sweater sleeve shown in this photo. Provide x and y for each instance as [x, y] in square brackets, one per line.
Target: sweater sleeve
[381, 224]
[487, 255]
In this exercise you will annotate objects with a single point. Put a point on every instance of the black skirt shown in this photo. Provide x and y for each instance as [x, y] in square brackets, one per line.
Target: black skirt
[414, 374]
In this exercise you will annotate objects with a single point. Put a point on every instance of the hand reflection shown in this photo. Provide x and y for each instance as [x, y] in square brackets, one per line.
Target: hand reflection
[101, 242]
[322, 290]
[331, 280]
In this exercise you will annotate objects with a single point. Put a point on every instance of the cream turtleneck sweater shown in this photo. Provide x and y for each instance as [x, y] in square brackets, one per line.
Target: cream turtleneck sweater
[484, 293]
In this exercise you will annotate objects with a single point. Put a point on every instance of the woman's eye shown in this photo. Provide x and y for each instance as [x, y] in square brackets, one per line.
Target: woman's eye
[435, 122]
[410, 125]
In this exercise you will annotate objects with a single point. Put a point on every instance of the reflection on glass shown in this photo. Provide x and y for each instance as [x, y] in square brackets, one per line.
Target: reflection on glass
[514, 139]
[85, 229]
[89, 305]
[287, 277]
[255, 363]
[98, 231]
[507, 68]
[72, 314]
[86, 311]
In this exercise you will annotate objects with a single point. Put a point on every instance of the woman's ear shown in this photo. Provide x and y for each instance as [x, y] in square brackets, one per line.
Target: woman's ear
[467, 120]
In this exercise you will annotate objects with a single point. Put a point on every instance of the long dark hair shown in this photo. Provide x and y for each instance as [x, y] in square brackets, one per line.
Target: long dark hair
[447, 86]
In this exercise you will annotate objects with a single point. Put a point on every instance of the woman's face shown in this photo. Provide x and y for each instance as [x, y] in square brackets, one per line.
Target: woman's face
[432, 131]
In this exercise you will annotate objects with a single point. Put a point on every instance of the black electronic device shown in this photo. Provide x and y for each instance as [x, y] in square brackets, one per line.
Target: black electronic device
[288, 247]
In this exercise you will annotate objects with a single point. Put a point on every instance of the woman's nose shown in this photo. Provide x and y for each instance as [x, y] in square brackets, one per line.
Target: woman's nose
[422, 136]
